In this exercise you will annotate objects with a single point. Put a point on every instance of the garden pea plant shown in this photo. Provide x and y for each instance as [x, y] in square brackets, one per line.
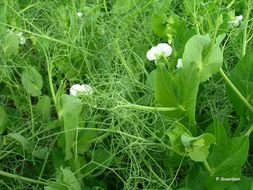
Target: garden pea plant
[126, 95]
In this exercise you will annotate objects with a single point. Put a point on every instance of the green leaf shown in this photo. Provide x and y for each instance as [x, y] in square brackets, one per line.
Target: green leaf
[26, 145]
[3, 120]
[183, 143]
[234, 153]
[100, 157]
[68, 177]
[245, 183]
[167, 90]
[198, 147]
[174, 134]
[70, 111]
[188, 82]
[43, 108]
[158, 25]
[191, 6]
[159, 18]
[41, 152]
[207, 57]
[85, 140]
[195, 179]
[11, 44]
[242, 77]
[32, 81]
[178, 90]
[69, 105]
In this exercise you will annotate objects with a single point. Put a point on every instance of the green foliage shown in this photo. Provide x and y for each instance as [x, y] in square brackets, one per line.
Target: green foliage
[43, 108]
[32, 81]
[207, 56]
[182, 142]
[242, 77]
[167, 90]
[147, 125]
[159, 18]
[175, 133]
[11, 44]
[198, 147]
[23, 141]
[68, 178]
[234, 153]
[3, 120]
[70, 112]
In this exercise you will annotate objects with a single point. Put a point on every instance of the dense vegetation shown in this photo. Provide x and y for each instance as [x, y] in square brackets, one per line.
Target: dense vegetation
[84, 106]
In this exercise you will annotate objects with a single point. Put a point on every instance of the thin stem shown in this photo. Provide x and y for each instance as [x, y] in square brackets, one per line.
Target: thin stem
[238, 93]
[208, 168]
[148, 108]
[176, 174]
[247, 14]
[240, 126]
[14, 176]
[249, 131]
[49, 73]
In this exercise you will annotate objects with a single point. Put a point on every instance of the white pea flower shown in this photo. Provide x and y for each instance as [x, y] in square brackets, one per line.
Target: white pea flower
[21, 38]
[157, 51]
[79, 14]
[237, 21]
[84, 88]
[179, 63]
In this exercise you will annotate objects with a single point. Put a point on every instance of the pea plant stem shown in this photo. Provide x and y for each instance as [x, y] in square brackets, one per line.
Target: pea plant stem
[207, 166]
[237, 92]
[148, 108]
[29, 180]
[248, 132]
[245, 32]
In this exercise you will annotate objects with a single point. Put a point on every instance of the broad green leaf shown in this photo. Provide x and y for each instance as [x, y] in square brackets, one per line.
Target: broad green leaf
[11, 44]
[26, 145]
[41, 152]
[242, 77]
[207, 57]
[100, 157]
[188, 82]
[32, 81]
[43, 107]
[159, 18]
[180, 34]
[234, 153]
[68, 177]
[191, 6]
[69, 104]
[85, 140]
[58, 161]
[167, 91]
[179, 90]
[197, 148]
[158, 25]
[183, 143]
[244, 183]
[174, 134]
[3, 120]
[195, 179]
[71, 109]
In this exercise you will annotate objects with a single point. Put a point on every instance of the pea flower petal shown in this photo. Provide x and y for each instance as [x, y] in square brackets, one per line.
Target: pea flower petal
[179, 63]
[79, 14]
[237, 21]
[161, 49]
[84, 88]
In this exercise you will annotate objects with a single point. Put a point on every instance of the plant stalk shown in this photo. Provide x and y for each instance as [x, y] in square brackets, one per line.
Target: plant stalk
[237, 92]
